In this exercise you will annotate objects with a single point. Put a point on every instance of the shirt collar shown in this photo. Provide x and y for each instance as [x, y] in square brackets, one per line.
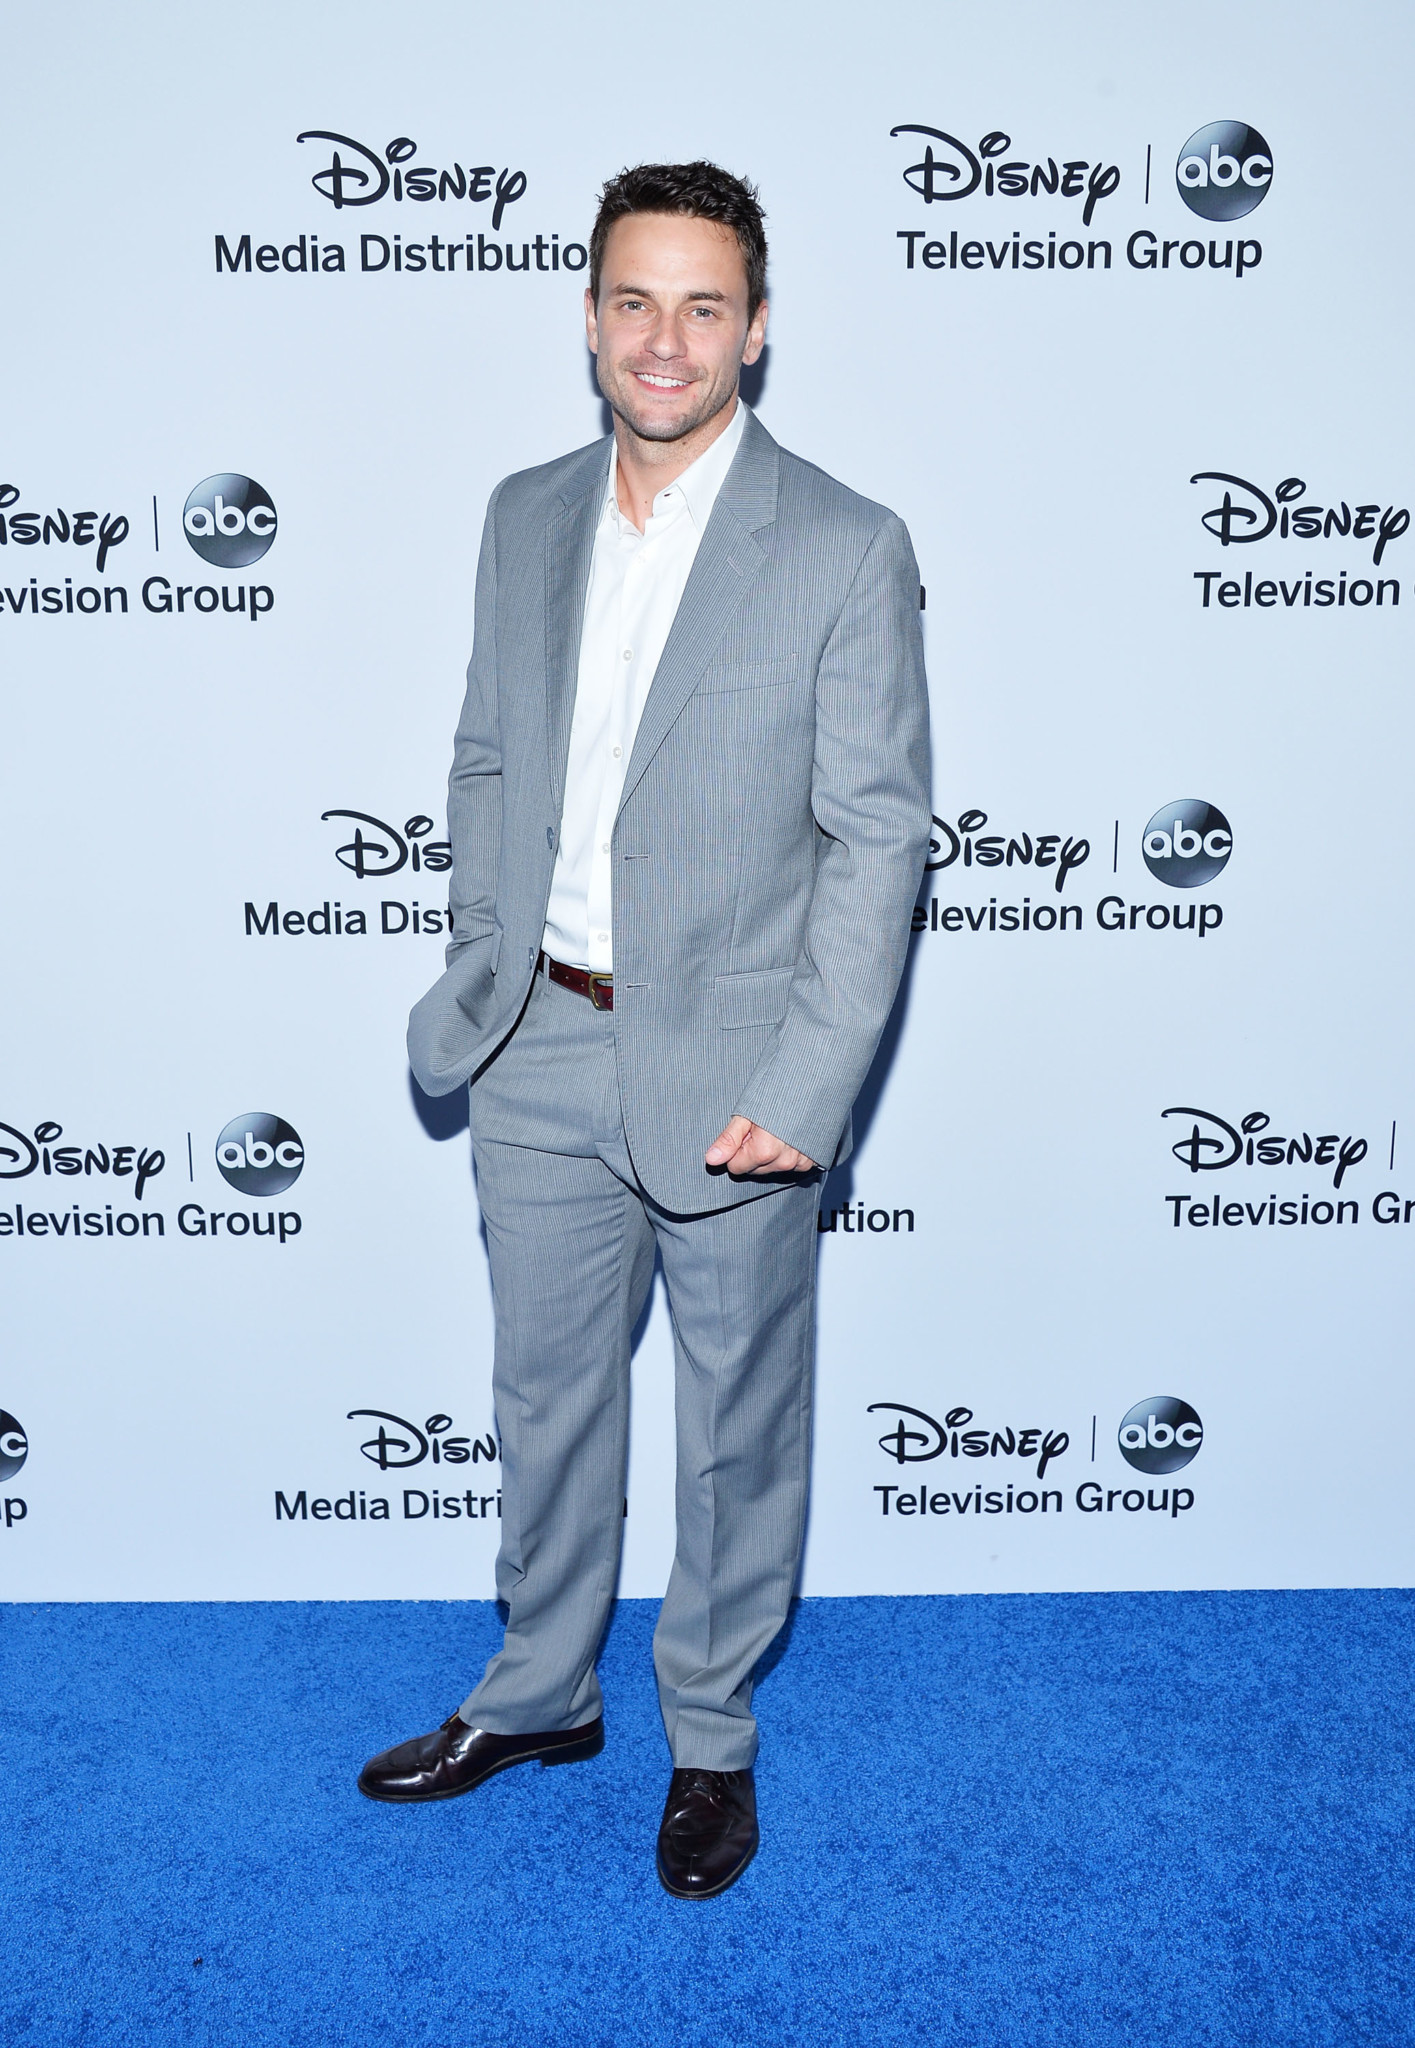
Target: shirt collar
[701, 480]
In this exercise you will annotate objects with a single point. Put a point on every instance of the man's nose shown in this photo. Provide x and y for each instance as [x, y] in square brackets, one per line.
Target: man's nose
[664, 342]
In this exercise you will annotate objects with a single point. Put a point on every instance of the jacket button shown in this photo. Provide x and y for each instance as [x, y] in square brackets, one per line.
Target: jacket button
[530, 956]
[550, 836]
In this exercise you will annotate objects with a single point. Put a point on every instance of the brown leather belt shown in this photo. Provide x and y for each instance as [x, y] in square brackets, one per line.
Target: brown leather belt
[598, 987]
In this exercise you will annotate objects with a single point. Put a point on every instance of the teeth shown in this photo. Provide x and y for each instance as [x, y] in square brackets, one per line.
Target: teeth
[663, 383]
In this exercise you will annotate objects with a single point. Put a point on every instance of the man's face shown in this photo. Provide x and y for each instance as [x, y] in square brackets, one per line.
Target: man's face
[671, 329]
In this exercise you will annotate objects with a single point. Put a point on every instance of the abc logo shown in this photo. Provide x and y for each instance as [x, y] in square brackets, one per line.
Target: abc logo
[1160, 1435]
[1187, 843]
[229, 520]
[1224, 170]
[14, 1446]
[259, 1154]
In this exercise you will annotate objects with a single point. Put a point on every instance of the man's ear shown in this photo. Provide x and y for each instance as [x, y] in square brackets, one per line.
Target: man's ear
[756, 334]
[592, 323]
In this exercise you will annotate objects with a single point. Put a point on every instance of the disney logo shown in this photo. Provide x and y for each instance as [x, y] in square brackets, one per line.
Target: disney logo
[1049, 849]
[1234, 523]
[365, 178]
[394, 849]
[395, 1453]
[27, 1155]
[950, 1437]
[81, 528]
[958, 174]
[1213, 1144]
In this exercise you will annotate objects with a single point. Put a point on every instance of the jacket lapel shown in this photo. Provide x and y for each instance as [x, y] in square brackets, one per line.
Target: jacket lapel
[569, 546]
[727, 564]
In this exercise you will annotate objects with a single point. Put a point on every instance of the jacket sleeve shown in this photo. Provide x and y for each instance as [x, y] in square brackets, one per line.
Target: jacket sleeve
[870, 797]
[474, 786]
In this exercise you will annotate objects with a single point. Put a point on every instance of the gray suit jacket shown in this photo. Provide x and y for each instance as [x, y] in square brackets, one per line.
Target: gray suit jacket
[773, 825]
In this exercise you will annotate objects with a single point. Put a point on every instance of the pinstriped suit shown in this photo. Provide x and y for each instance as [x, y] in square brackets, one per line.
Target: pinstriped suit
[766, 854]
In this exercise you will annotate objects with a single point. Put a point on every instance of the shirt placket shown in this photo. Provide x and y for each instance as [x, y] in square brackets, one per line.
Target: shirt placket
[600, 905]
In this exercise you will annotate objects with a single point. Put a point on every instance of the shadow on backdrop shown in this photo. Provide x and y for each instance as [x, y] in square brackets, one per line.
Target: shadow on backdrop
[838, 1192]
[839, 1187]
[441, 1116]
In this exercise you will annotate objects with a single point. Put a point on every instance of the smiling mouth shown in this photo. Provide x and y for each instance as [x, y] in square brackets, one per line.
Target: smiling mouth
[661, 383]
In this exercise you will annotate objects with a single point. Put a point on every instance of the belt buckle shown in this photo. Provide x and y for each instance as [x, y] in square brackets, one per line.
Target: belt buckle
[598, 982]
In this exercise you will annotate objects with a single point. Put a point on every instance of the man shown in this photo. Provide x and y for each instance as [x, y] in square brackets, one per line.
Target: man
[688, 811]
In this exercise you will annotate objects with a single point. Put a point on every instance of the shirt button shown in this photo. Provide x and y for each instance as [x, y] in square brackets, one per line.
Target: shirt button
[604, 938]
[617, 752]
[605, 847]
[628, 654]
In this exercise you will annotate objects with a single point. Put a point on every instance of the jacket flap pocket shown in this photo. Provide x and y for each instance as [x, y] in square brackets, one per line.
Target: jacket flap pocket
[745, 675]
[752, 998]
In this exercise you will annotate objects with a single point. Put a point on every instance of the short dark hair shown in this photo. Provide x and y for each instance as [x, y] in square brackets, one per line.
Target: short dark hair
[702, 191]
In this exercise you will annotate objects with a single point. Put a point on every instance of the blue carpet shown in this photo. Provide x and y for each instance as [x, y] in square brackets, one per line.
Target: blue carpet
[1089, 1819]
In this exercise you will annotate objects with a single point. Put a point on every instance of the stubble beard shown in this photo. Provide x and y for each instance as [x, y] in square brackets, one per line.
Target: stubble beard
[619, 394]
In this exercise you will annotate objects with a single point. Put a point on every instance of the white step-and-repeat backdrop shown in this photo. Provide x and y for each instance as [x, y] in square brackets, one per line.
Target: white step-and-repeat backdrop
[1110, 305]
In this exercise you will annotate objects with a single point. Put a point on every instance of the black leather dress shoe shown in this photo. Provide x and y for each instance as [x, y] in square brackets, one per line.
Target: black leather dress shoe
[709, 1832]
[455, 1758]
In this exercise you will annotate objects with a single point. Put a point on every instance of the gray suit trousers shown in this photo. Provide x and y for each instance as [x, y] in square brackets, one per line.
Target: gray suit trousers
[571, 1237]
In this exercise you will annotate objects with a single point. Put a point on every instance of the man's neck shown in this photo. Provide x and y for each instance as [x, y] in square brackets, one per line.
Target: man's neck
[644, 468]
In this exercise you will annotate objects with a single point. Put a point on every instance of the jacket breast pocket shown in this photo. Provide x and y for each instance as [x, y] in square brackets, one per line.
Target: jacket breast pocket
[745, 675]
[760, 998]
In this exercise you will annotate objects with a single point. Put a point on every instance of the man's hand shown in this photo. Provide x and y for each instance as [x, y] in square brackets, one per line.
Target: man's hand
[745, 1148]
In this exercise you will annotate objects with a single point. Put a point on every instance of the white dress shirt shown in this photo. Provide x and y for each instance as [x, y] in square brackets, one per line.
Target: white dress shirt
[636, 582]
